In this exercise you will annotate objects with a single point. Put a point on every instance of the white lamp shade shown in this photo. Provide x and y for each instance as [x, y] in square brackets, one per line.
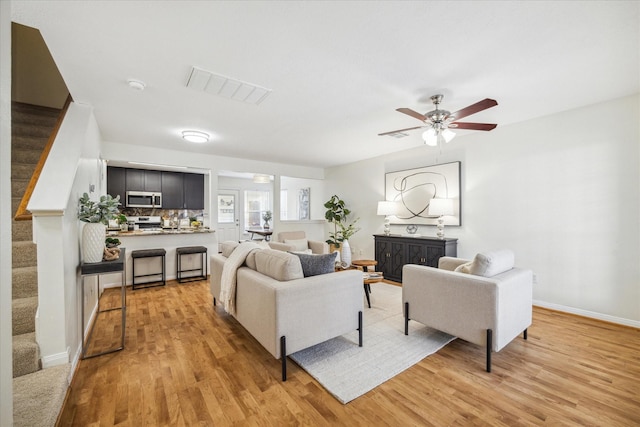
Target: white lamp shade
[439, 207]
[387, 208]
[448, 135]
[430, 137]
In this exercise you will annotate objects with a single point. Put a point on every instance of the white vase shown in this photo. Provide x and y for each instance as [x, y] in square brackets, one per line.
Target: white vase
[345, 254]
[93, 235]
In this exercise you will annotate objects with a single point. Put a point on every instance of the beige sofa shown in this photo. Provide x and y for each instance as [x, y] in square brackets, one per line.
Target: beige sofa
[285, 311]
[486, 301]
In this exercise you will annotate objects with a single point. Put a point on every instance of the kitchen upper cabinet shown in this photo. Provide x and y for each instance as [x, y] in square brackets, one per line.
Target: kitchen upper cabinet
[193, 191]
[172, 190]
[179, 190]
[152, 181]
[143, 180]
[116, 183]
[135, 179]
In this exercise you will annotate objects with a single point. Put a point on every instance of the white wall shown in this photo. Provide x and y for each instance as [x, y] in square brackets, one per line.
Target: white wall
[72, 166]
[562, 191]
[6, 364]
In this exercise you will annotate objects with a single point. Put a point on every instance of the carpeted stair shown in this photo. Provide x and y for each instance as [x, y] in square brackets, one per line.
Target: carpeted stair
[38, 394]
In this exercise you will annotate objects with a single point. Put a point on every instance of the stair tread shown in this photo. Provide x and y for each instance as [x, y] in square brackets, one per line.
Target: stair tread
[38, 397]
[24, 340]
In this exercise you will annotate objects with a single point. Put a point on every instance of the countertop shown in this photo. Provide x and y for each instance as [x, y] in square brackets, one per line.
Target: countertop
[160, 232]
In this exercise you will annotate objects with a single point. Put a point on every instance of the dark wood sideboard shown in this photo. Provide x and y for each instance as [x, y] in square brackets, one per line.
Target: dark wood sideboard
[394, 251]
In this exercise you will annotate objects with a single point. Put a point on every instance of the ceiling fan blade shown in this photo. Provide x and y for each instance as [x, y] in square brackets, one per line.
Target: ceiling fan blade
[474, 108]
[412, 113]
[399, 130]
[473, 126]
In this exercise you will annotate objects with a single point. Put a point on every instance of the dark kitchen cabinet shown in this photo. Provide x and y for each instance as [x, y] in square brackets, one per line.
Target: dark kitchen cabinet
[116, 183]
[193, 191]
[152, 181]
[394, 251]
[143, 180]
[179, 190]
[135, 179]
[172, 190]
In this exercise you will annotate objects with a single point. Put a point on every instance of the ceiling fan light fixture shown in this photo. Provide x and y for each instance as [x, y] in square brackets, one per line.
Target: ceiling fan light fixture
[448, 135]
[430, 137]
[195, 136]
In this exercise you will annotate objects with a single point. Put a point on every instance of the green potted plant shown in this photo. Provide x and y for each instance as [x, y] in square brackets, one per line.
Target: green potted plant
[96, 215]
[122, 221]
[337, 213]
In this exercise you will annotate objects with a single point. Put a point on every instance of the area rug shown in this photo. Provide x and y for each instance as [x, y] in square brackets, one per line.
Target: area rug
[348, 371]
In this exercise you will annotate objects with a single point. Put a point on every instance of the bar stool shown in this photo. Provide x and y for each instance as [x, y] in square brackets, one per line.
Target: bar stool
[148, 253]
[190, 250]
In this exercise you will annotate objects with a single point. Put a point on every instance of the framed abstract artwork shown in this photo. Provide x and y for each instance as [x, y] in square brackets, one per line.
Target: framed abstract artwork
[413, 189]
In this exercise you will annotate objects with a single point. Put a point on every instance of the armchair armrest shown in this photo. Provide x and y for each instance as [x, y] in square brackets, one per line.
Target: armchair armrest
[318, 247]
[281, 246]
[450, 263]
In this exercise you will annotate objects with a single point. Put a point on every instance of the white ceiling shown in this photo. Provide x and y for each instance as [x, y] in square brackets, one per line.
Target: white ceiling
[337, 70]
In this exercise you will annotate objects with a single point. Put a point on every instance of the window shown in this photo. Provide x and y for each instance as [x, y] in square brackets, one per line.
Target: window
[283, 204]
[256, 204]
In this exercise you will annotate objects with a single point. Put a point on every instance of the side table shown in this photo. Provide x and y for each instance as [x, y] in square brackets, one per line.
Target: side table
[369, 277]
[97, 269]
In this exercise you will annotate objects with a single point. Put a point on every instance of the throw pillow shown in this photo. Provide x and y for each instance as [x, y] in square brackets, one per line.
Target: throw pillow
[488, 264]
[314, 265]
[278, 265]
[464, 268]
[298, 244]
[227, 247]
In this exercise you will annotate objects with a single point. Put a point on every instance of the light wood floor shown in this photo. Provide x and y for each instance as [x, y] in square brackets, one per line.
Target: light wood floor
[186, 363]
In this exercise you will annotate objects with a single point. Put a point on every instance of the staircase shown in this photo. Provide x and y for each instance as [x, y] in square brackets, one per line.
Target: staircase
[38, 394]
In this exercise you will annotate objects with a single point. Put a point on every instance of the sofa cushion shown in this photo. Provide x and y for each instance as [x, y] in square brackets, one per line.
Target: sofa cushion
[488, 264]
[278, 265]
[464, 268]
[298, 244]
[250, 261]
[228, 247]
[314, 265]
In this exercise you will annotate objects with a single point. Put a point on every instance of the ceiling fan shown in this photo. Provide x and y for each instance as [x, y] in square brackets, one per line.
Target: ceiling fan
[440, 122]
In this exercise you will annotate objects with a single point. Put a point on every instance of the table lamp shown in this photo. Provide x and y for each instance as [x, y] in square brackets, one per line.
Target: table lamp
[387, 208]
[440, 208]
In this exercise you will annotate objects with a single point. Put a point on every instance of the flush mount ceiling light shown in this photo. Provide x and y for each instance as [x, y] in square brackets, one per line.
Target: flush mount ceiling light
[136, 84]
[195, 136]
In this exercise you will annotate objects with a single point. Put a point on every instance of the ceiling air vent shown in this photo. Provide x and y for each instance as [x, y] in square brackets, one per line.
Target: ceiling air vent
[226, 87]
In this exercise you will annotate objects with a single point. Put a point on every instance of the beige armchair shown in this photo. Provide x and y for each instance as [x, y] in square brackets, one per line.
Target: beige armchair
[487, 302]
[297, 241]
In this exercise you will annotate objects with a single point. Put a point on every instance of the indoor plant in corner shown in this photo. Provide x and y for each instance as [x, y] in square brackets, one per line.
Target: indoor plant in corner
[337, 214]
[96, 215]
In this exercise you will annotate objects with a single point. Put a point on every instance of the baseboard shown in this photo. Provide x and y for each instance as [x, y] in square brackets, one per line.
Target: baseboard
[587, 313]
[55, 359]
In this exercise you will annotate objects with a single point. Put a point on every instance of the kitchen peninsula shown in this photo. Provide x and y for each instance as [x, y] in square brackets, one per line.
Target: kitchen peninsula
[168, 239]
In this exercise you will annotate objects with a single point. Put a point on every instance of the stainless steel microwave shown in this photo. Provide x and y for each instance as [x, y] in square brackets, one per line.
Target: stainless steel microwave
[143, 199]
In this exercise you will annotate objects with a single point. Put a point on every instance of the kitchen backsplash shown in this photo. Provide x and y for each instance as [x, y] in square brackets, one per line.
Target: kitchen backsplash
[163, 213]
